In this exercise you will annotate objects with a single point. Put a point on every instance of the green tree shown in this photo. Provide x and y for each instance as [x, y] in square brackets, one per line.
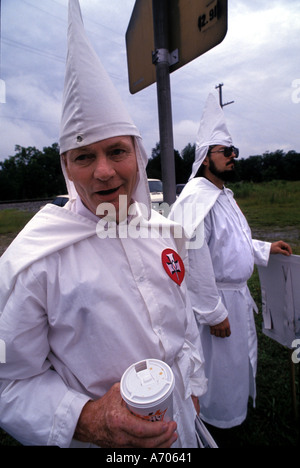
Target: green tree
[292, 166]
[154, 164]
[181, 165]
[31, 173]
[188, 157]
[249, 169]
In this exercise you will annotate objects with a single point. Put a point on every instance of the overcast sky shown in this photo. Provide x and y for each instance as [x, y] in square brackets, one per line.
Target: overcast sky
[258, 62]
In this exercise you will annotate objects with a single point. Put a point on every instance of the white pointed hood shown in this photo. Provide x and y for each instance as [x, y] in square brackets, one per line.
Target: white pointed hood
[212, 131]
[92, 109]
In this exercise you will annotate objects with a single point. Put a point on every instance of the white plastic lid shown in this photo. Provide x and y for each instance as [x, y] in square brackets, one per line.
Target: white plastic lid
[147, 382]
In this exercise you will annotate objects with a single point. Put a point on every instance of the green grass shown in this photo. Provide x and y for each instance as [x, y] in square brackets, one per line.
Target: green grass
[12, 221]
[269, 204]
[269, 207]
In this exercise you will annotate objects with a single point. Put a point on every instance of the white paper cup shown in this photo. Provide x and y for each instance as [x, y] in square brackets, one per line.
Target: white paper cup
[147, 388]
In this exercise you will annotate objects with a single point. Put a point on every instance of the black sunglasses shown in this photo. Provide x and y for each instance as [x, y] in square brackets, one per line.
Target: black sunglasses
[227, 151]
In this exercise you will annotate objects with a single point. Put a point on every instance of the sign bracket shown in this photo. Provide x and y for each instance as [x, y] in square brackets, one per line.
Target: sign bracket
[163, 55]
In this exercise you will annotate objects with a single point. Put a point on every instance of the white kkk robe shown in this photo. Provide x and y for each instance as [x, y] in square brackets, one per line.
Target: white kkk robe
[76, 311]
[230, 363]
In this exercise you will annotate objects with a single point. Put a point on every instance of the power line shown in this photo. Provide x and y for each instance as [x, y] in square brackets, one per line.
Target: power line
[31, 49]
[7, 117]
[101, 25]
[44, 11]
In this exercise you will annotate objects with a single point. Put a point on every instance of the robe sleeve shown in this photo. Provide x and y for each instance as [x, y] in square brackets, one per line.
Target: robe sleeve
[191, 358]
[261, 252]
[36, 406]
[206, 302]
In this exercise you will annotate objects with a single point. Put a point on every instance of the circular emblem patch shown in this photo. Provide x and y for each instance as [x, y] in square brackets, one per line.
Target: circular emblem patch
[173, 265]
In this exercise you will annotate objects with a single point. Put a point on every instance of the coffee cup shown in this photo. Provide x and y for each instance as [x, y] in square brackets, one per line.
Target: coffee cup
[147, 388]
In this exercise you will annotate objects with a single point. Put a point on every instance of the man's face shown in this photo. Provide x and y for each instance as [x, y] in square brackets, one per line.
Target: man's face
[219, 165]
[103, 171]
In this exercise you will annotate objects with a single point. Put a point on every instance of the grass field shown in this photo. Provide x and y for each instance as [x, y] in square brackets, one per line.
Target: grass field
[272, 204]
[271, 209]
[12, 221]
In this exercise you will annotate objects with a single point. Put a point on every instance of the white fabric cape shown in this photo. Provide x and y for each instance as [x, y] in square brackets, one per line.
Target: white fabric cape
[49, 231]
[197, 197]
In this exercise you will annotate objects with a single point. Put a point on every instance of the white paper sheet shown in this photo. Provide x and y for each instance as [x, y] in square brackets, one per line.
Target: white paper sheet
[280, 288]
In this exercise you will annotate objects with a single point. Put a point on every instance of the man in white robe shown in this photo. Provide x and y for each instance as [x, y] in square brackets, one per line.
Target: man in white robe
[230, 364]
[83, 295]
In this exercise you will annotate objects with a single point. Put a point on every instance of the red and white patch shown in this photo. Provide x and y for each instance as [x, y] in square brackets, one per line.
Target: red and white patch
[173, 265]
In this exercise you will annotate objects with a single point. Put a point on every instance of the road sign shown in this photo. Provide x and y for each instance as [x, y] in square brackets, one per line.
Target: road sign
[195, 26]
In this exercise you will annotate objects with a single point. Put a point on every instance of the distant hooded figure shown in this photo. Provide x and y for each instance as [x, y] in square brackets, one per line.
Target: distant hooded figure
[230, 363]
[86, 290]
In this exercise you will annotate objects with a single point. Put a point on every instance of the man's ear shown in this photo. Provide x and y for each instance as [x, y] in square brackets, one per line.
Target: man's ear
[205, 161]
[65, 162]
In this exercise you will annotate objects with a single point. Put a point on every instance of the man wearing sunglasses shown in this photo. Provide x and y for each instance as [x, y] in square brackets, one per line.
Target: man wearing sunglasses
[219, 164]
[230, 363]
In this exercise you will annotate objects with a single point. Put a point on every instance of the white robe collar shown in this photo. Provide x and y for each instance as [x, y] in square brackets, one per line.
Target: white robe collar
[194, 203]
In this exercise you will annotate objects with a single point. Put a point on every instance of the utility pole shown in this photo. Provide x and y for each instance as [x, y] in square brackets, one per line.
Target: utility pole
[220, 96]
[162, 64]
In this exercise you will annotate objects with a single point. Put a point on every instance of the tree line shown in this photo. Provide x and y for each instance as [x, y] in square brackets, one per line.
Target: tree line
[34, 174]
[276, 165]
[31, 174]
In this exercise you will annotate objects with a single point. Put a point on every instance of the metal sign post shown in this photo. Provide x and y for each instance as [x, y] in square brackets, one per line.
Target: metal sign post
[194, 27]
[161, 61]
[181, 30]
